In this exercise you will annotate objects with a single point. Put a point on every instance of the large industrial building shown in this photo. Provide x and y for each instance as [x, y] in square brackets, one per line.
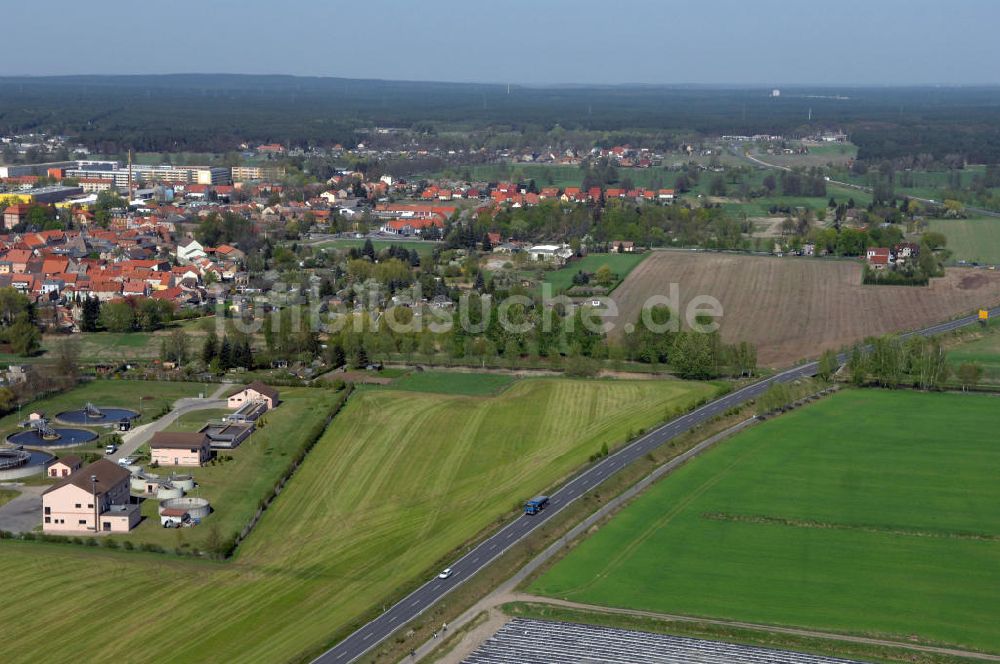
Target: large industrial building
[41, 195]
[23, 170]
[245, 173]
[148, 173]
[98, 175]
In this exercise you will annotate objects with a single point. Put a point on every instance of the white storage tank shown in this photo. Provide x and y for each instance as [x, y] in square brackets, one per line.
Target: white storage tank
[168, 491]
[183, 482]
[198, 508]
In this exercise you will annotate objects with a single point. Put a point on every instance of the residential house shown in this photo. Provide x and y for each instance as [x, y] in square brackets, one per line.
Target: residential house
[14, 215]
[254, 392]
[877, 257]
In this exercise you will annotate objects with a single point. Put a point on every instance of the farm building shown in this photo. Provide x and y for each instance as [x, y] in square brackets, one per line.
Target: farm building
[98, 492]
[179, 449]
[65, 466]
[255, 392]
[557, 253]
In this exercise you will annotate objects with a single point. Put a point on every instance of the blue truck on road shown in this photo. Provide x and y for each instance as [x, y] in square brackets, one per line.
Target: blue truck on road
[536, 504]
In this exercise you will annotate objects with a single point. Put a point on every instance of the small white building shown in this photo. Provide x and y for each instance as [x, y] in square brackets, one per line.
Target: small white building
[559, 253]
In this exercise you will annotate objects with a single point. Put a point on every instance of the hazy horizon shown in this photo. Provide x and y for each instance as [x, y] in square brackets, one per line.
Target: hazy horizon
[714, 43]
[722, 85]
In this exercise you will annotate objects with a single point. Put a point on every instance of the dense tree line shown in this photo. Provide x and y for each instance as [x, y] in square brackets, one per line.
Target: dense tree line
[18, 323]
[895, 362]
[216, 113]
[692, 354]
[135, 314]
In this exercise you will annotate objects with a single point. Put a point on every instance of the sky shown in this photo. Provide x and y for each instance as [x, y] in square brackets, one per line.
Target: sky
[867, 42]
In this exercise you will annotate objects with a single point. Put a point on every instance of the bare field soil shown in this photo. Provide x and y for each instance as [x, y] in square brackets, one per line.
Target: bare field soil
[793, 308]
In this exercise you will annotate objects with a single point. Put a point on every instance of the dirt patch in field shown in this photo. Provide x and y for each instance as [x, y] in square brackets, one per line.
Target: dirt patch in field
[973, 281]
[793, 308]
[767, 226]
[358, 377]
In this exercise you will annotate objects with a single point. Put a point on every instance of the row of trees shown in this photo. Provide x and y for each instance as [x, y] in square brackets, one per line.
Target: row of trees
[221, 356]
[895, 362]
[691, 354]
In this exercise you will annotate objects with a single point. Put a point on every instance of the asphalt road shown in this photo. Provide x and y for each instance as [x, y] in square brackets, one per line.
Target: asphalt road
[411, 606]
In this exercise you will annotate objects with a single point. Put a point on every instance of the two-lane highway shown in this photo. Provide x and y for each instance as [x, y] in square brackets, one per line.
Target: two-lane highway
[411, 606]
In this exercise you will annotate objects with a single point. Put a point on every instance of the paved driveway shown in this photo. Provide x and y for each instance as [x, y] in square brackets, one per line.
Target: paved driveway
[134, 439]
[23, 513]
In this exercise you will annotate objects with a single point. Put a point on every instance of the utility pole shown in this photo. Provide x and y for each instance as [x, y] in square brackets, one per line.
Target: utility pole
[93, 484]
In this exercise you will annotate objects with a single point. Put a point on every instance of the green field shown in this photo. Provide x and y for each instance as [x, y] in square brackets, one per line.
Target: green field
[7, 495]
[869, 512]
[120, 347]
[971, 240]
[423, 247]
[454, 382]
[120, 393]
[760, 207]
[397, 484]
[983, 350]
[620, 264]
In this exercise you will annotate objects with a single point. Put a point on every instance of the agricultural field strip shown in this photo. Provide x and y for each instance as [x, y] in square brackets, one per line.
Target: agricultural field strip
[417, 602]
[817, 467]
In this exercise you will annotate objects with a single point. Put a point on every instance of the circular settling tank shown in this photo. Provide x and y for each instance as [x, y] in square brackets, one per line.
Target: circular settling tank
[59, 437]
[184, 482]
[168, 491]
[97, 416]
[16, 463]
[198, 508]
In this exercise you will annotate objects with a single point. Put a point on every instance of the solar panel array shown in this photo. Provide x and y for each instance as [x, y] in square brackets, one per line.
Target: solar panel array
[523, 641]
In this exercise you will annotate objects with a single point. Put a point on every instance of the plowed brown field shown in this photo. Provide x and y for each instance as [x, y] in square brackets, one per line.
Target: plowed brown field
[793, 308]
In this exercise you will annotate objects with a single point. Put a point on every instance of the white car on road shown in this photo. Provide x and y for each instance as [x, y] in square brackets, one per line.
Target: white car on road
[446, 573]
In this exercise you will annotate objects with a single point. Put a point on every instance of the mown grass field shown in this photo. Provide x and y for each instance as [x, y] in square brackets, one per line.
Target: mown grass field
[119, 347]
[983, 350]
[398, 482]
[119, 393]
[971, 240]
[454, 382]
[869, 512]
[620, 264]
